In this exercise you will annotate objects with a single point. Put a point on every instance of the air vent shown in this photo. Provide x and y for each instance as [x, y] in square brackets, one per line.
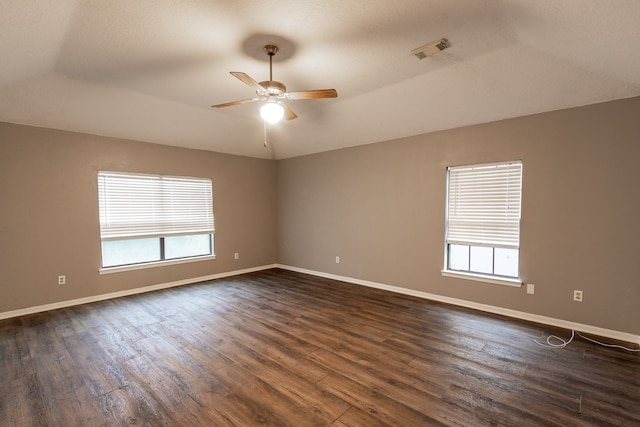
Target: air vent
[430, 49]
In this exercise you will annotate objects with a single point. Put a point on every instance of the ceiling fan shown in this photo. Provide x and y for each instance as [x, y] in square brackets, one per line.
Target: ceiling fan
[273, 93]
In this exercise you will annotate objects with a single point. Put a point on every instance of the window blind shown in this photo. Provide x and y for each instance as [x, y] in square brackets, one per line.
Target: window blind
[483, 208]
[136, 205]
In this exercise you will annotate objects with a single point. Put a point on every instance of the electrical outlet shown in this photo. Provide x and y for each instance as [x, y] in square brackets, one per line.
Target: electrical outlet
[577, 296]
[531, 288]
[337, 260]
[235, 256]
[62, 280]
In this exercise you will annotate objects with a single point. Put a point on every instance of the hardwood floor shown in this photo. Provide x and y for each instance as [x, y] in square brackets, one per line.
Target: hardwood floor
[280, 348]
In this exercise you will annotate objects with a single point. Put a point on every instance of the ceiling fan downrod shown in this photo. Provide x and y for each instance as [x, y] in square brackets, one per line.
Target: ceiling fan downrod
[271, 50]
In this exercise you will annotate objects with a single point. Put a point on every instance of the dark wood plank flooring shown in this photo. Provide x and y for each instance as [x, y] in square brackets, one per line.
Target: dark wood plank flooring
[279, 348]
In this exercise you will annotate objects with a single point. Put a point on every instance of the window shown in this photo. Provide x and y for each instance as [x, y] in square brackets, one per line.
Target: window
[150, 218]
[483, 219]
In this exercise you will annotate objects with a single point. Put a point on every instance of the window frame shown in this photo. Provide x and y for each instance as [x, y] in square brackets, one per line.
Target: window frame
[510, 241]
[160, 214]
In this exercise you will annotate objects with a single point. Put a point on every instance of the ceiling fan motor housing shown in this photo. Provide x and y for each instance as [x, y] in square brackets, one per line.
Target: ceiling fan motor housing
[273, 88]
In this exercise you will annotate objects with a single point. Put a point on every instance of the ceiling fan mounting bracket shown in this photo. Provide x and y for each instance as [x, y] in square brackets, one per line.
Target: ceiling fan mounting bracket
[271, 49]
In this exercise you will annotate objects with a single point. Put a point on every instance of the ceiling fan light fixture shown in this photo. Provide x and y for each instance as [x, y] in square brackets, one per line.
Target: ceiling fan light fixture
[272, 111]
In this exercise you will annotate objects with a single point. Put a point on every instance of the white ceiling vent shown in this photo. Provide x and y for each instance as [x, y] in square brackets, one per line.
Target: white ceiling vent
[430, 49]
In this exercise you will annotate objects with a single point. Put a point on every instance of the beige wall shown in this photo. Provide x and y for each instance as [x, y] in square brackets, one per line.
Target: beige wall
[381, 208]
[49, 212]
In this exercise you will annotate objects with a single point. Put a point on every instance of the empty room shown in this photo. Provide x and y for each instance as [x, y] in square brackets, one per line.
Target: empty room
[319, 213]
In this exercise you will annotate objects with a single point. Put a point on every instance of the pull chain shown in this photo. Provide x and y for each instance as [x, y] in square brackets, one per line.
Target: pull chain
[265, 133]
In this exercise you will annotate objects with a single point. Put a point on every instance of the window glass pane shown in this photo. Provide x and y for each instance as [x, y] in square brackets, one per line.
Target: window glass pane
[122, 252]
[506, 262]
[186, 246]
[481, 259]
[459, 257]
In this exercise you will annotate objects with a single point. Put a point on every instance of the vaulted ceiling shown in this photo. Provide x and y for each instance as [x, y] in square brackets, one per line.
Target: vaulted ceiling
[150, 69]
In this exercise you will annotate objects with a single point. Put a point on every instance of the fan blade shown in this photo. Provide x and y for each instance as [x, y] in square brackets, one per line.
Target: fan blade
[288, 112]
[314, 94]
[247, 80]
[229, 104]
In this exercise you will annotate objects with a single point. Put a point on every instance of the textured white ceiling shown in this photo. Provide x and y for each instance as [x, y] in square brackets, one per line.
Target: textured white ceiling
[149, 69]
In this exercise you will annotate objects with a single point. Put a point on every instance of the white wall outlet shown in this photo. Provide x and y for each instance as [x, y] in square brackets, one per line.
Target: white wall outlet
[235, 256]
[62, 280]
[531, 288]
[577, 296]
[337, 260]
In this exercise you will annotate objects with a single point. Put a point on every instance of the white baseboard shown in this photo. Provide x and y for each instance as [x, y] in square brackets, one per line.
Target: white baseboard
[595, 330]
[102, 297]
[589, 329]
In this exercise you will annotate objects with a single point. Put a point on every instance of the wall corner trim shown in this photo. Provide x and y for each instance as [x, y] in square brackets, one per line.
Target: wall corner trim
[595, 330]
[111, 295]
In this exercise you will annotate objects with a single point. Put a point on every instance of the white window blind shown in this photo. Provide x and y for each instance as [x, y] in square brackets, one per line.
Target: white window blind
[136, 205]
[484, 205]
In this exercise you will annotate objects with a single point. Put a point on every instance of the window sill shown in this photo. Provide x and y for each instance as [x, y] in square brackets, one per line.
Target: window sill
[109, 270]
[480, 278]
